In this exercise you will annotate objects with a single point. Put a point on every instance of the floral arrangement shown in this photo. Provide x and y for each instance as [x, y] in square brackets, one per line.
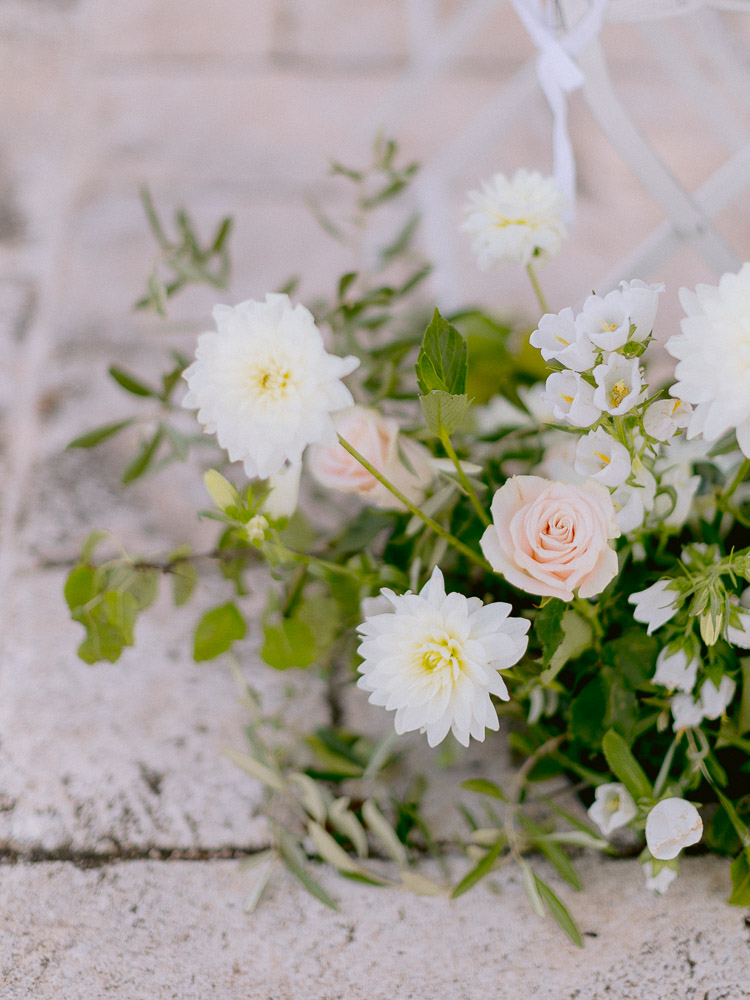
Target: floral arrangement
[486, 527]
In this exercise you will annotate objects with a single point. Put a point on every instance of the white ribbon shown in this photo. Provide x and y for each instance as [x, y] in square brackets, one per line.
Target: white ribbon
[559, 76]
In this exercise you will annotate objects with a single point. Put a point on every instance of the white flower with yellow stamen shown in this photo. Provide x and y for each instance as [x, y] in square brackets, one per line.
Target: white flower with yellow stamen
[516, 219]
[435, 658]
[665, 417]
[571, 399]
[264, 384]
[613, 807]
[606, 320]
[560, 338]
[618, 384]
[599, 456]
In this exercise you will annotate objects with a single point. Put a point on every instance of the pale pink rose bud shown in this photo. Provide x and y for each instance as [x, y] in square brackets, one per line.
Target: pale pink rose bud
[376, 438]
[671, 825]
[551, 538]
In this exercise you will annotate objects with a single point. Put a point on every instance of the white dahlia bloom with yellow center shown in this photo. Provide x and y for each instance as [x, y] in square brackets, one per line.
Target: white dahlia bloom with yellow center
[264, 384]
[513, 220]
[435, 658]
[713, 352]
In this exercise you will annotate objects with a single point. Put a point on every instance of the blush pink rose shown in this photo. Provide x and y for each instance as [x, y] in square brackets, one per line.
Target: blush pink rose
[552, 538]
[376, 438]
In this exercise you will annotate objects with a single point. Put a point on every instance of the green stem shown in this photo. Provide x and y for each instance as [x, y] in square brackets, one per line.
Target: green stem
[537, 288]
[516, 791]
[470, 491]
[430, 522]
[742, 474]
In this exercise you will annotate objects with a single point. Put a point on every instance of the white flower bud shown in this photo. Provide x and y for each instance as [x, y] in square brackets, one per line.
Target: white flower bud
[715, 701]
[641, 302]
[676, 670]
[686, 712]
[671, 825]
[661, 882]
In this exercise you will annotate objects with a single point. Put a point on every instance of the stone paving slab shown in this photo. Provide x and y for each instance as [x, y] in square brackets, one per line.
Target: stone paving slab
[158, 930]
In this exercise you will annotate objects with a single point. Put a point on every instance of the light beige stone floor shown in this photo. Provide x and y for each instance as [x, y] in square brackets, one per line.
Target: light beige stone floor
[235, 107]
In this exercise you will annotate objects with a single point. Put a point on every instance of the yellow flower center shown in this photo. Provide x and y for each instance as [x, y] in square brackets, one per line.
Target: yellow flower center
[273, 380]
[439, 652]
[617, 393]
[604, 459]
[562, 340]
[608, 327]
[568, 399]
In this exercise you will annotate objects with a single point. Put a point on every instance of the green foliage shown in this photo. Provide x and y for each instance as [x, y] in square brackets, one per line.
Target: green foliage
[444, 412]
[442, 361]
[740, 871]
[216, 631]
[186, 260]
[291, 643]
[625, 767]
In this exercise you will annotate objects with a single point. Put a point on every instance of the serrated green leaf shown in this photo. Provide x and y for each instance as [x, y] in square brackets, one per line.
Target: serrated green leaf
[483, 787]
[184, 581]
[130, 383]
[99, 434]
[216, 631]
[624, 766]
[442, 360]
[443, 411]
[558, 912]
[142, 459]
[253, 767]
[740, 872]
[291, 643]
[294, 860]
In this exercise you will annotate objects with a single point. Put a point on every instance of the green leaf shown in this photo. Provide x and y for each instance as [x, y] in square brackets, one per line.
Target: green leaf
[103, 642]
[291, 643]
[548, 627]
[253, 767]
[184, 581]
[624, 766]
[740, 871]
[216, 632]
[223, 493]
[442, 361]
[743, 719]
[478, 872]
[552, 851]
[331, 851]
[142, 459]
[483, 787]
[443, 411]
[588, 711]
[294, 860]
[144, 586]
[94, 437]
[576, 639]
[633, 655]
[130, 383]
[80, 587]
[559, 912]
[382, 829]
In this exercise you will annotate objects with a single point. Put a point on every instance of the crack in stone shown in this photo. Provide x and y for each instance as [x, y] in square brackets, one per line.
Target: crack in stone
[99, 859]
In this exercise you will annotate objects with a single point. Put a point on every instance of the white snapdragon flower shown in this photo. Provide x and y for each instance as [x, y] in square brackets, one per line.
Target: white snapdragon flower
[618, 384]
[632, 502]
[435, 660]
[665, 417]
[514, 220]
[641, 302]
[713, 351]
[687, 712]
[716, 700]
[606, 320]
[560, 338]
[660, 882]
[671, 825]
[613, 807]
[676, 669]
[264, 384]
[655, 605]
[571, 399]
[599, 456]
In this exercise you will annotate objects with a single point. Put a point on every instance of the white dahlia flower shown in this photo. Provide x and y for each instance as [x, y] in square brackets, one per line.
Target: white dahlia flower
[435, 658]
[514, 220]
[713, 352]
[264, 384]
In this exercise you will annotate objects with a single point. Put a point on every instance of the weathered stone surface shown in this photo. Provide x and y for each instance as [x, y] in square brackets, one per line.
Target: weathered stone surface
[177, 929]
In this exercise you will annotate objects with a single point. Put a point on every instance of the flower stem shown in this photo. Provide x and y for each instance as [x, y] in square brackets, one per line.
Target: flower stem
[516, 791]
[470, 491]
[537, 287]
[742, 474]
[430, 522]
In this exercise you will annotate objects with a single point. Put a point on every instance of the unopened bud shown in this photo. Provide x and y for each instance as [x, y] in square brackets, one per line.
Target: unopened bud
[222, 492]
